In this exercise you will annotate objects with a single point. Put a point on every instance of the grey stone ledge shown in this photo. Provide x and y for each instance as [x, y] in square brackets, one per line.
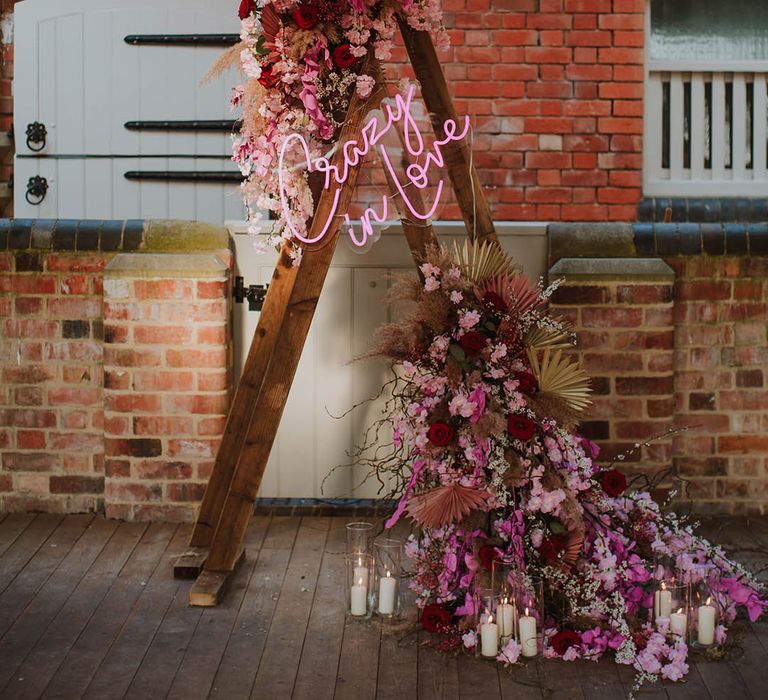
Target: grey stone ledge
[166, 265]
[612, 269]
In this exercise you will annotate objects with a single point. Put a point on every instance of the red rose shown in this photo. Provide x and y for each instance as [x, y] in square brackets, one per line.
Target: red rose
[435, 617]
[495, 302]
[521, 427]
[486, 555]
[552, 546]
[343, 57]
[267, 78]
[306, 16]
[441, 434]
[473, 343]
[613, 482]
[246, 8]
[527, 383]
[564, 640]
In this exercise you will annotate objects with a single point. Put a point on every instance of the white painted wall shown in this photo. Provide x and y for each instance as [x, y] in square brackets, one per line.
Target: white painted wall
[309, 442]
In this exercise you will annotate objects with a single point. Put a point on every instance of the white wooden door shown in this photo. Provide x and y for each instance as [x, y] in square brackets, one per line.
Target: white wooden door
[77, 75]
[311, 441]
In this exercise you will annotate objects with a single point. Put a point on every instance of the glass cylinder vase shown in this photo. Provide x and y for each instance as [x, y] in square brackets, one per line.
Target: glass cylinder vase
[360, 585]
[388, 555]
[503, 582]
[487, 624]
[359, 537]
[529, 602]
[672, 607]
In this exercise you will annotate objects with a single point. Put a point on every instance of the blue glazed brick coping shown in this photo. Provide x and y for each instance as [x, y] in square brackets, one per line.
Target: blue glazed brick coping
[349, 507]
[703, 209]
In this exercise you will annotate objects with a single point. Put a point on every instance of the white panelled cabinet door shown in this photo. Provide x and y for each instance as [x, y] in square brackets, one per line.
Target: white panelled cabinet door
[130, 131]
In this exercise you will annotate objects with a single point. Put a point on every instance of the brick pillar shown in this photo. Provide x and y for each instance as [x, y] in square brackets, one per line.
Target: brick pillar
[622, 311]
[167, 358]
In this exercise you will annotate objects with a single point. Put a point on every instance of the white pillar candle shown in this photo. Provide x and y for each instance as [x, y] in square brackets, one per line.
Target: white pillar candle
[489, 638]
[387, 590]
[359, 598]
[506, 617]
[678, 623]
[706, 623]
[662, 602]
[528, 635]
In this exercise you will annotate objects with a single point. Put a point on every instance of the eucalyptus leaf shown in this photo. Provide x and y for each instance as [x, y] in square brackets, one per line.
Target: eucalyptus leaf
[556, 527]
[260, 48]
[457, 353]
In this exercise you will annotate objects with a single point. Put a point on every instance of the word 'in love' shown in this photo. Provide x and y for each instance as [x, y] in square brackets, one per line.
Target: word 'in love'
[353, 151]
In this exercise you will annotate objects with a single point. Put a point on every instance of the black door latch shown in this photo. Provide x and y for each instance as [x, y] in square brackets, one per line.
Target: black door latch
[37, 134]
[37, 188]
[254, 293]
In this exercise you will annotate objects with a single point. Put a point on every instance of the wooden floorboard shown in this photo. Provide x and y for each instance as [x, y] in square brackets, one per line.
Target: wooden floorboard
[197, 671]
[280, 662]
[76, 549]
[83, 660]
[62, 633]
[89, 609]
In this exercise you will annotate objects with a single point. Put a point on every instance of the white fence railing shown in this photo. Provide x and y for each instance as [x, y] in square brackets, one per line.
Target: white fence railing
[705, 133]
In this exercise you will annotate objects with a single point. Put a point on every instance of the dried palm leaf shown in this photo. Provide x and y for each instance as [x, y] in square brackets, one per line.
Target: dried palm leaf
[547, 337]
[445, 505]
[561, 378]
[515, 290]
[482, 261]
[270, 23]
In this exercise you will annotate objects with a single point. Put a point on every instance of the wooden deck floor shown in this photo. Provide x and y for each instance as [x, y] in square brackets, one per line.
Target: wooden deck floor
[89, 608]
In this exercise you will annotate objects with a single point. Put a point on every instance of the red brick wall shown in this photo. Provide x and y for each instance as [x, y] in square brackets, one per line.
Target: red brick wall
[158, 410]
[554, 89]
[690, 355]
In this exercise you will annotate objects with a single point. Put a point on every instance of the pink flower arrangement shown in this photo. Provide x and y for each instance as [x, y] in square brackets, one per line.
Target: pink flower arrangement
[504, 431]
[303, 61]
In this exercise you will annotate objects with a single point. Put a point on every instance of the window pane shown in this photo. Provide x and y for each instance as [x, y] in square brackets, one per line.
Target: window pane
[709, 30]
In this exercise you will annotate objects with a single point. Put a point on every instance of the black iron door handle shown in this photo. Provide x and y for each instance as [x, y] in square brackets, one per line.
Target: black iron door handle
[36, 134]
[37, 188]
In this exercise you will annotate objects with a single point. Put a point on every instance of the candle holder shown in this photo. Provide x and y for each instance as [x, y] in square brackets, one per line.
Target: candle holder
[706, 615]
[388, 556]
[487, 629]
[529, 601]
[672, 606]
[504, 583]
[360, 586]
[359, 537]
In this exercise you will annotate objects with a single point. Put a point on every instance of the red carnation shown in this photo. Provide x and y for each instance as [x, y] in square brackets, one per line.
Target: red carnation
[435, 617]
[306, 16]
[496, 302]
[267, 78]
[343, 56]
[552, 546]
[613, 482]
[486, 555]
[526, 383]
[521, 427]
[473, 343]
[246, 8]
[441, 434]
[564, 640]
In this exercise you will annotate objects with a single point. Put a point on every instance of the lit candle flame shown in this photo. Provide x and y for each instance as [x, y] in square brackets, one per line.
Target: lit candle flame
[526, 612]
[388, 575]
[663, 586]
[504, 602]
[709, 600]
[679, 611]
[360, 582]
[490, 619]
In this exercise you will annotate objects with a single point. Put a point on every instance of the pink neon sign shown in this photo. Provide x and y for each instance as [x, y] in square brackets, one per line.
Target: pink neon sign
[353, 151]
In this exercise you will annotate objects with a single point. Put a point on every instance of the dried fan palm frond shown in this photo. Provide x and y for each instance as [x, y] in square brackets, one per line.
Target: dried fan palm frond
[482, 261]
[270, 23]
[549, 406]
[445, 505]
[525, 297]
[560, 378]
[547, 337]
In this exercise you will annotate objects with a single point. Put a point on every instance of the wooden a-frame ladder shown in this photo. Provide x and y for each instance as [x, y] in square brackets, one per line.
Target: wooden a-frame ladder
[216, 545]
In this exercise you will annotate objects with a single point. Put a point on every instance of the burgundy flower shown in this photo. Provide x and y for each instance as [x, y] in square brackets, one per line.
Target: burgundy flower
[486, 555]
[306, 16]
[343, 56]
[435, 617]
[564, 640]
[552, 546]
[246, 8]
[495, 302]
[473, 343]
[613, 482]
[521, 427]
[267, 78]
[441, 434]
[527, 383]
